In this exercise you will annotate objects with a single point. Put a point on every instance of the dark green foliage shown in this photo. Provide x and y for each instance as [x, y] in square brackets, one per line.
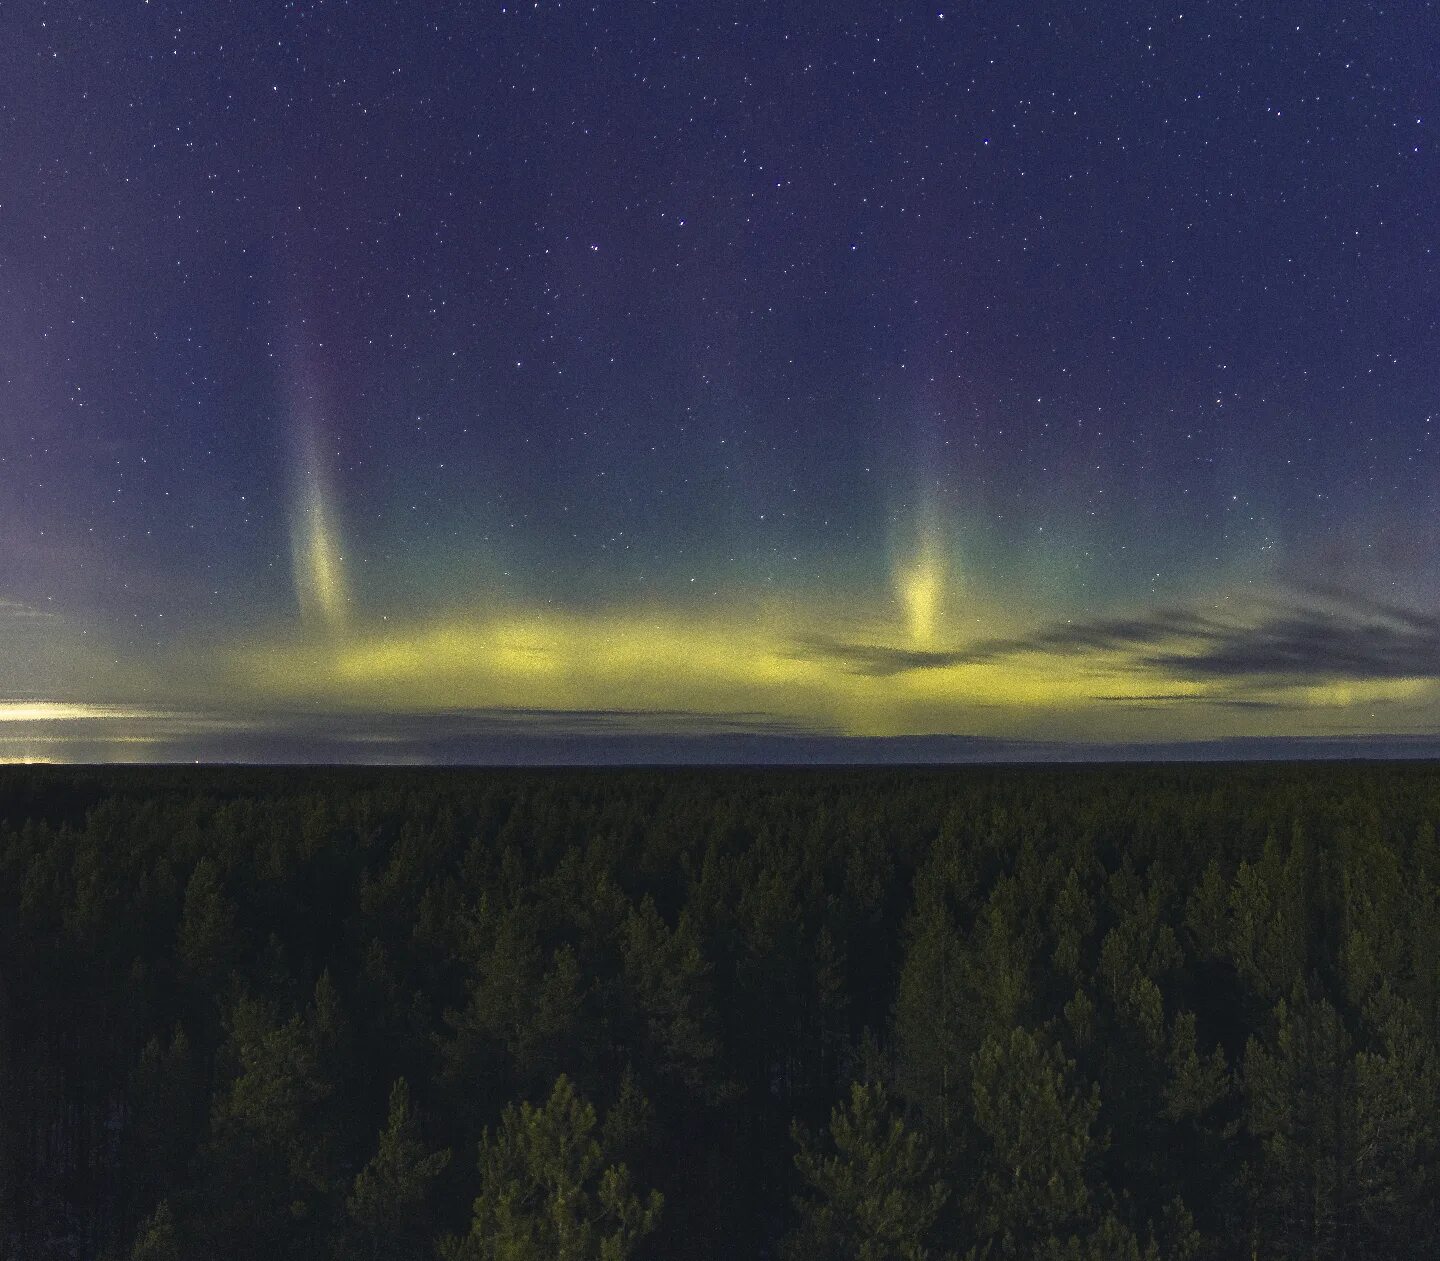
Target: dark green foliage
[157, 1240]
[549, 1191]
[1156, 1014]
[934, 1028]
[1038, 1146]
[876, 1198]
[274, 1156]
[665, 975]
[209, 942]
[387, 1205]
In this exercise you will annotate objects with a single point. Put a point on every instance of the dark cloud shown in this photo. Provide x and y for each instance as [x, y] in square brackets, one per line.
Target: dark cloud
[878, 660]
[1157, 700]
[1348, 640]
[1104, 634]
[1067, 638]
[1323, 634]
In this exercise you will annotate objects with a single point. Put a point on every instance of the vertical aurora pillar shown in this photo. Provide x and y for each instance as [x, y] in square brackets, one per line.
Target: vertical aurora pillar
[317, 560]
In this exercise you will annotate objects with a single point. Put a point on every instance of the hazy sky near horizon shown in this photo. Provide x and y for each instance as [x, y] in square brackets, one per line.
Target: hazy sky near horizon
[378, 377]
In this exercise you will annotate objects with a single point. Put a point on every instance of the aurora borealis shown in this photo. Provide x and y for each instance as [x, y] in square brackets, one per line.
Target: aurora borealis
[587, 382]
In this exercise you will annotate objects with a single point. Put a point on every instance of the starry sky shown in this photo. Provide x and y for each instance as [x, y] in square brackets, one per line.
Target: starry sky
[648, 381]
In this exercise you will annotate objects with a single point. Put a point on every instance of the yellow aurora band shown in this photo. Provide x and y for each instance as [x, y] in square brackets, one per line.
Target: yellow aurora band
[725, 662]
[813, 665]
[753, 660]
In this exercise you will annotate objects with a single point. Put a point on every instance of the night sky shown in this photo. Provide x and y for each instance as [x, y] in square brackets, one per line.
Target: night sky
[589, 382]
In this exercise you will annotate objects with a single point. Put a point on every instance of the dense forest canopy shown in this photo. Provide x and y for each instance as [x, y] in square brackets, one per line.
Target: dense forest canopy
[1107, 1012]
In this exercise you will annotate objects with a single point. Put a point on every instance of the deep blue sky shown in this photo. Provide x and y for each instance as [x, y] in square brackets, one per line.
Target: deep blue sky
[1036, 372]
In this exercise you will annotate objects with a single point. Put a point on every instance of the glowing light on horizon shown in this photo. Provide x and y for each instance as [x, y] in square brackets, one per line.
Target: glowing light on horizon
[67, 711]
[724, 661]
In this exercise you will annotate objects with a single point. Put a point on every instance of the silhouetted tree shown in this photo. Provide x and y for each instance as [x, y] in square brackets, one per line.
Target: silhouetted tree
[548, 1191]
[387, 1204]
[871, 1191]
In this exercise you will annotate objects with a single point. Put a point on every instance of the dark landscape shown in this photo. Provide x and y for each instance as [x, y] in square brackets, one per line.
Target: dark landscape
[1094, 1012]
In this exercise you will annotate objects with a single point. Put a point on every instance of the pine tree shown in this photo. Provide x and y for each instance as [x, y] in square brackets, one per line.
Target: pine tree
[273, 1159]
[208, 938]
[1196, 1084]
[166, 1094]
[875, 1198]
[1396, 1178]
[549, 1192]
[517, 1007]
[666, 978]
[387, 1204]
[1038, 1145]
[932, 1040]
[1072, 920]
[157, 1238]
[1299, 1105]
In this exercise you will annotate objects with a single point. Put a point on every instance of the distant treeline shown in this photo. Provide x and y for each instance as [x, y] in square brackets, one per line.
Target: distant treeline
[1096, 1013]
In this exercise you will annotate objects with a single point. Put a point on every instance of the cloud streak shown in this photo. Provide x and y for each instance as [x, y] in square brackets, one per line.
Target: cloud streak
[556, 739]
[57, 730]
[1366, 641]
[1326, 636]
